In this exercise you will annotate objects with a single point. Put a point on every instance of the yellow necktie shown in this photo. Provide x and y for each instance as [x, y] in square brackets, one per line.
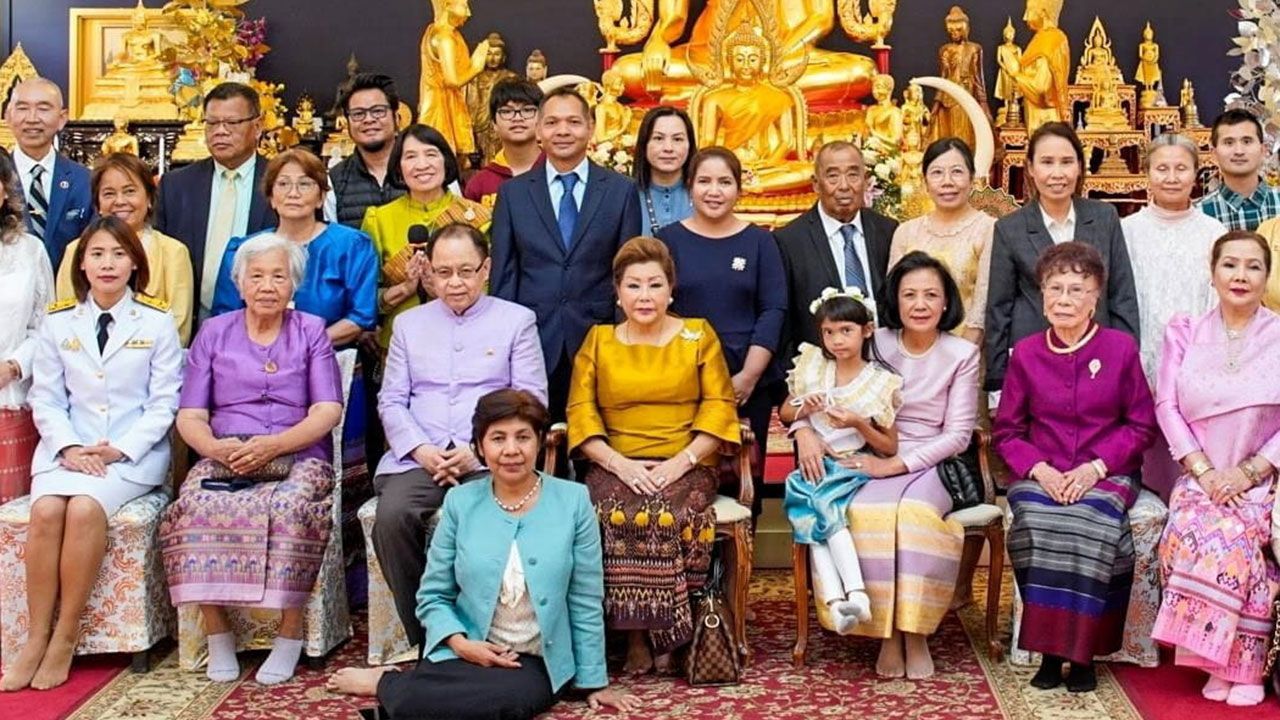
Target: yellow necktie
[224, 216]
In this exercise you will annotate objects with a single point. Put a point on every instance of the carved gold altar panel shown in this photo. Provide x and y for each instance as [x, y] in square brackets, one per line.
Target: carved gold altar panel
[97, 38]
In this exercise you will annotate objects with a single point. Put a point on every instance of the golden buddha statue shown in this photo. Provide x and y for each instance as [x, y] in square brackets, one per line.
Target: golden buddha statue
[478, 92]
[446, 69]
[612, 118]
[136, 81]
[305, 121]
[1008, 53]
[535, 68]
[1148, 73]
[1098, 60]
[1041, 74]
[884, 120]
[1187, 102]
[666, 72]
[915, 116]
[959, 61]
[1104, 111]
[120, 141]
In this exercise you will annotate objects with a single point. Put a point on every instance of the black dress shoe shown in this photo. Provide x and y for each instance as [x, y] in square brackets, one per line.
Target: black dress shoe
[1082, 678]
[1049, 676]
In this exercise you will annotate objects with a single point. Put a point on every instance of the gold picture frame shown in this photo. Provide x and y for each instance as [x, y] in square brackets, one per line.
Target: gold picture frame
[96, 35]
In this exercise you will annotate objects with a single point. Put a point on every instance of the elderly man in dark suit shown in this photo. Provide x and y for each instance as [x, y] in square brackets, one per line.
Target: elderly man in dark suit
[207, 203]
[555, 231]
[836, 243]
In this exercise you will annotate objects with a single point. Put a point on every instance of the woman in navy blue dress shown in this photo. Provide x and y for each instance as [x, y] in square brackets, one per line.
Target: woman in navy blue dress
[730, 272]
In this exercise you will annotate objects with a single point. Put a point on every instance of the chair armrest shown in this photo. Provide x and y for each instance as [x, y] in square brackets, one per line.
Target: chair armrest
[742, 461]
[556, 436]
[982, 440]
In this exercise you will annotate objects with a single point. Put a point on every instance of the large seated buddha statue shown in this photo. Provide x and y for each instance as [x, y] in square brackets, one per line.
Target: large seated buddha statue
[665, 71]
[136, 82]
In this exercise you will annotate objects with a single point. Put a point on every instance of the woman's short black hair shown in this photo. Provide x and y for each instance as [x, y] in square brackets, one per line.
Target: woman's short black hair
[426, 135]
[506, 404]
[938, 148]
[841, 309]
[953, 308]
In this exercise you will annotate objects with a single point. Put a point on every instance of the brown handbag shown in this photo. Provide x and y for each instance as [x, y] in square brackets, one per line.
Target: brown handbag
[712, 658]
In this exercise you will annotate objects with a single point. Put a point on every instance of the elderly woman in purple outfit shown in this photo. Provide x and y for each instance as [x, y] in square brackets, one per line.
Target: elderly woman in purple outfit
[259, 400]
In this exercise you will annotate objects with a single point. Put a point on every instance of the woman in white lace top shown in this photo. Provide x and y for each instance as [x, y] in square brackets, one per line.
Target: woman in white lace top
[26, 287]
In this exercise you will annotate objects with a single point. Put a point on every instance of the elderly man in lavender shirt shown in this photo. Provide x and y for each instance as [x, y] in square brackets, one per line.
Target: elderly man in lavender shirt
[443, 357]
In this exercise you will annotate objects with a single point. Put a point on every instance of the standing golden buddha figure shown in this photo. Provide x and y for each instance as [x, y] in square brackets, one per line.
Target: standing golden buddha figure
[959, 61]
[1042, 74]
[447, 67]
[478, 92]
[1148, 73]
[1187, 102]
[664, 71]
[136, 81]
[1008, 53]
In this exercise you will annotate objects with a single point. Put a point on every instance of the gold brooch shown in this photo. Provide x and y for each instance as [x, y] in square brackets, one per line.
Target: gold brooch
[691, 335]
[71, 344]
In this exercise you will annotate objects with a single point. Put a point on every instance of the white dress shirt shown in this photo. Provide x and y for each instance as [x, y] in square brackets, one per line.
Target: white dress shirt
[26, 288]
[557, 188]
[1061, 232]
[835, 239]
[26, 164]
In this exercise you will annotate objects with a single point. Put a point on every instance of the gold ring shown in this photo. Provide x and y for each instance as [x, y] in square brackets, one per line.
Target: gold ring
[858, 464]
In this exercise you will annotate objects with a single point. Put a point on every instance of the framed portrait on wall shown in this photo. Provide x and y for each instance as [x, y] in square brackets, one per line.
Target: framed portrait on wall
[115, 67]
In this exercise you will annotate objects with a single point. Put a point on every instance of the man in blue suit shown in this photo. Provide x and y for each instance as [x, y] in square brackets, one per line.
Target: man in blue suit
[555, 231]
[56, 188]
[207, 203]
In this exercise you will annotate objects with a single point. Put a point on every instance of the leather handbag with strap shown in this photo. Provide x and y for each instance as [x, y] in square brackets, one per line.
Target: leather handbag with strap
[961, 476]
[712, 657]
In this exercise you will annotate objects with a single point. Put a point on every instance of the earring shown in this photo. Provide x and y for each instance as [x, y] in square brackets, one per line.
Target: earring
[618, 303]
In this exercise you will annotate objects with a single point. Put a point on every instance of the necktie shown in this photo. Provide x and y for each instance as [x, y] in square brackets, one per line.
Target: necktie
[39, 203]
[103, 321]
[224, 216]
[853, 275]
[568, 218]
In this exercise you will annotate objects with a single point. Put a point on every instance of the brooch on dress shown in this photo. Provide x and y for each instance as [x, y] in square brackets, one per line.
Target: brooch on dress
[1095, 365]
[739, 264]
[691, 335]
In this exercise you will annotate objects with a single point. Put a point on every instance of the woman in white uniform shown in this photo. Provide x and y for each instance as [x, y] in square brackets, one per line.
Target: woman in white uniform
[104, 393]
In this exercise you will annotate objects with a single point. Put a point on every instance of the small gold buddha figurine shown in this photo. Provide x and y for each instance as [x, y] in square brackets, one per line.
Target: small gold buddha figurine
[613, 119]
[1008, 53]
[1042, 72]
[1187, 102]
[1098, 58]
[447, 67]
[915, 198]
[915, 116]
[478, 92]
[120, 141]
[535, 68]
[1148, 74]
[959, 61]
[305, 121]
[884, 119]
[1104, 111]
[136, 81]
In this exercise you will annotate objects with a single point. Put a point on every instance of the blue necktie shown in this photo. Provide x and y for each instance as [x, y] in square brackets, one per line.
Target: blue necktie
[853, 275]
[568, 218]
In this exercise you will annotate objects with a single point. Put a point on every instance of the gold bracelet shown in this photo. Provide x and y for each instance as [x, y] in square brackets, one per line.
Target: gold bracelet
[693, 459]
[1250, 472]
[1199, 468]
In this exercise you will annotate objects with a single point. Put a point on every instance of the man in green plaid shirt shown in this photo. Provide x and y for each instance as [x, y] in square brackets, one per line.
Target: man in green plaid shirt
[1243, 201]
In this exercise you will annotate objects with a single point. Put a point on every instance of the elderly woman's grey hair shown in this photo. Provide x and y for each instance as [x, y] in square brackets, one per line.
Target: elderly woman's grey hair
[269, 242]
[1173, 140]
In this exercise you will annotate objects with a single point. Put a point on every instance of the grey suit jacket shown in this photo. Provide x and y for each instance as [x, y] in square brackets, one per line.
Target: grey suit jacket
[1015, 308]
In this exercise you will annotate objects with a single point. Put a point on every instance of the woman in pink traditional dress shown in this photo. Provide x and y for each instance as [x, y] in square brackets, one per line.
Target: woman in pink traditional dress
[1218, 403]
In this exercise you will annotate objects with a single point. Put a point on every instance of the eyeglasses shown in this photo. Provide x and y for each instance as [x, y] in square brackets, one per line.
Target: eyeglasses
[466, 272]
[939, 174]
[1073, 292]
[525, 112]
[377, 112]
[304, 186]
[211, 126]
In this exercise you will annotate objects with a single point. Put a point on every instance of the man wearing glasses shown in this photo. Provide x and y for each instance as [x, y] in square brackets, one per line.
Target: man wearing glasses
[207, 203]
[513, 111]
[361, 180]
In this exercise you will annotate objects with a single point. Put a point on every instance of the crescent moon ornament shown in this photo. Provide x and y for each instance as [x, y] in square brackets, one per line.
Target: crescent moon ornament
[985, 152]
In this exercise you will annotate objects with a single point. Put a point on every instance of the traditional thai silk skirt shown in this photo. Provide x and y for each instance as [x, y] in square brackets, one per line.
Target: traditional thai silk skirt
[818, 511]
[1074, 567]
[656, 549]
[18, 440]
[1219, 582]
[258, 547]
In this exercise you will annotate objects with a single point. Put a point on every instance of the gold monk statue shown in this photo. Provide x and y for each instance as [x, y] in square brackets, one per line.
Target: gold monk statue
[915, 116]
[884, 119]
[120, 141]
[1008, 53]
[959, 61]
[446, 69]
[136, 81]
[612, 118]
[1187, 101]
[1042, 74]
[1148, 73]
[665, 72]
[478, 92]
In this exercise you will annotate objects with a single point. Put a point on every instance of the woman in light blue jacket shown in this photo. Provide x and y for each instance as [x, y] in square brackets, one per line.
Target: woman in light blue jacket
[512, 599]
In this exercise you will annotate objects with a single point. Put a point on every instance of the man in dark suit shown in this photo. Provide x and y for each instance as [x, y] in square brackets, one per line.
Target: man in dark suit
[836, 243]
[555, 231]
[207, 203]
[57, 191]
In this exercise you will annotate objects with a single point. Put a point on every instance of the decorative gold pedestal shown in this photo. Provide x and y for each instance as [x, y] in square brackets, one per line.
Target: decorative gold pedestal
[191, 146]
[136, 100]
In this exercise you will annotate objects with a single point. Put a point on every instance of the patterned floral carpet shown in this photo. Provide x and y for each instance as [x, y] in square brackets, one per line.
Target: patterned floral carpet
[838, 681]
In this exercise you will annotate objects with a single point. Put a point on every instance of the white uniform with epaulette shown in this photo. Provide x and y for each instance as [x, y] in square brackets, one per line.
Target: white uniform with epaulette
[127, 395]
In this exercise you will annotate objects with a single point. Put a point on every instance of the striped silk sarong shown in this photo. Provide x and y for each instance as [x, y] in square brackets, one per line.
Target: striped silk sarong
[1074, 567]
[18, 439]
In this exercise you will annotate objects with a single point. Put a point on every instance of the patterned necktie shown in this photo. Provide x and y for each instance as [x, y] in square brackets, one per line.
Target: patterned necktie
[103, 321]
[853, 275]
[39, 203]
[568, 218]
[224, 216]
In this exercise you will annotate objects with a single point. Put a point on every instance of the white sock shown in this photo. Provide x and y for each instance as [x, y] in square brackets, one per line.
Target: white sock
[825, 568]
[281, 663]
[222, 666]
[845, 558]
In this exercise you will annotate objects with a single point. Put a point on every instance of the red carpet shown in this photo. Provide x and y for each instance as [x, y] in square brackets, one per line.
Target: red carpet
[88, 675]
[1173, 693]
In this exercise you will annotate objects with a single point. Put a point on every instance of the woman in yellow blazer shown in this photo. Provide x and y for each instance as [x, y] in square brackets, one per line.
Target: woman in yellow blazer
[122, 186]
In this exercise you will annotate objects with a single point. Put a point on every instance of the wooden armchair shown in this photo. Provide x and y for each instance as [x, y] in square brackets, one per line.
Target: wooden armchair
[733, 524]
[982, 524]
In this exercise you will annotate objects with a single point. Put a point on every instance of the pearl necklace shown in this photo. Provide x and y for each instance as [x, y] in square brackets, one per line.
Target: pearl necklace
[516, 508]
[1067, 350]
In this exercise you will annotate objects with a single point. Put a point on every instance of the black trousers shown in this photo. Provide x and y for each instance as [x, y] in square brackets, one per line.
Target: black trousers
[459, 690]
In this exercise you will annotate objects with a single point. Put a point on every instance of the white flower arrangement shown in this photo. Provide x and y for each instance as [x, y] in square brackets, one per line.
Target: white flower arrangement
[617, 155]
